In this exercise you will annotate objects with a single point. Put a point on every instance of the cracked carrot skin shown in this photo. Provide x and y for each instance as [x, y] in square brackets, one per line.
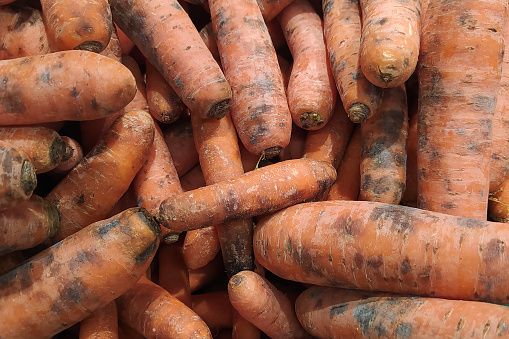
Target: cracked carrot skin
[167, 37]
[385, 247]
[51, 87]
[67, 282]
[342, 31]
[264, 190]
[390, 40]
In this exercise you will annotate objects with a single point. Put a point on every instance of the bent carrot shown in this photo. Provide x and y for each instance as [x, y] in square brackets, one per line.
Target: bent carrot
[75, 277]
[102, 324]
[17, 177]
[179, 138]
[200, 247]
[50, 87]
[257, 192]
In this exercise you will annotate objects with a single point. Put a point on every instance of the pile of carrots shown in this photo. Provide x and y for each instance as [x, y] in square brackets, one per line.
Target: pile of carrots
[254, 168]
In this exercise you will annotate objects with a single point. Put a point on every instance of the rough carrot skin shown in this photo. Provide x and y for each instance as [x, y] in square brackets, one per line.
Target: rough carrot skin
[342, 30]
[51, 87]
[167, 37]
[398, 317]
[454, 150]
[385, 247]
[311, 89]
[93, 186]
[261, 303]
[68, 281]
[271, 8]
[264, 190]
[17, 177]
[179, 138]
[154, 313]
[22, 32]
[259, 107]
[173, 274]
[85, 25]
[72, 156]
[102, 324]
[200, 247]
[28, 224]
[383, 149]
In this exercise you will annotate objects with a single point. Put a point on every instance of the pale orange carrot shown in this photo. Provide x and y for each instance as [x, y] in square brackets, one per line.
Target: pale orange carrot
[102, 324]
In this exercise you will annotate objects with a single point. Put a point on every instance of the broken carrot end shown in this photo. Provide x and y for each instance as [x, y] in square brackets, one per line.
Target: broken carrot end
[28, 177]
[310, 120]
[92, 46]
[219, 110]
[358, 112]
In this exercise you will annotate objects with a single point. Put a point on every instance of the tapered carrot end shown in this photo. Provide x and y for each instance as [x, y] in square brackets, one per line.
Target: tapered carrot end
[358, 112]
[236, 280]
[28, 178]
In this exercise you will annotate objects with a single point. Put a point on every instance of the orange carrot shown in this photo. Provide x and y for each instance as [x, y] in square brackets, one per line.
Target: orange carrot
[93, 186]
[179, 138]
[66, 282]
[17, 177]
[214, 308]
[72, 156]
[243, 329]
[259, 108]
[205, 275]
[173, 273]
[257, 192]
[295, 148]
[126, 45]
[52, 87]
[410, 196]
[192, 179]
[390, 40]
[454, 151]
[271, 8]
[311, 90]
[342, 30]
[113, 49]
[139, 101]
[200, 247]
[167, 37]
[208, 36]
[102, 324]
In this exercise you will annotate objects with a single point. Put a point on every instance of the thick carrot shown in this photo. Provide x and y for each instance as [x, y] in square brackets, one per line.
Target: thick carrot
[214, 308]
[28, 224]
[200, 247]
[269, 309]
[259, 107]
[102, 324]
[271, 8]
[257, 192]
[52, 87]
[454, 150]
[93, 186]
[179, 138]
[383, 149]
[72, 156]
[173, 273]
[66, 282]
[85, 25]
[390, 40]
[386, 247]
[342, 30]
[155, 313]
[204, 276]
[17, 177]
[165, 34]
[311, 90]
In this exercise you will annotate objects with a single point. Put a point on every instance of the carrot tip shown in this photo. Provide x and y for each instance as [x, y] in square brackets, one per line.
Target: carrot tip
[28, 177]
[271, 152]
[388, 74]
[236, 280]
[92, 46]
[310, 120]
[358, 112]
[57, 150]
[68, 152]
[219, 110]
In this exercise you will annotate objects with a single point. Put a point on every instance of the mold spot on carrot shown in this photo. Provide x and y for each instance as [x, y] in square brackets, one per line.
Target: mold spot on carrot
[73, 292]
[365, 316]
[404, 330]
[358, 112]
[176, 5]
[82, 257]
[28, 177]
[493, 251]
[375, 263]
[103, 230]
[471, 223]
[55, 309]
[400, 218]
[92, 46]
[45, 76]
[338, 309]
[405, 266]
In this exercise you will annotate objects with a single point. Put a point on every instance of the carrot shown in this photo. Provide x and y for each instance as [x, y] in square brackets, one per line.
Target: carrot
[271, 8]
[102, 324]
[174, 47]
[11, 260]
[208, 36]
[259, 302]
[153, 312]
[126, 45]
[28, 224]
[63, 284]
[139, 101]
[192, 179]
[22, 32]
[383, 149]
[203, 276]
[410, 196]
[93, 186]
[72, 156]
[390, 40]
[257, 192]
[51, 87]
[179, 138]
[113, 49]
[295, 148]
[17, 177]
[398, 317]
[259, 108]
[342, 30]
[454, 152]
[173, 273]
[498, 204]
[214, 308]
[85, 25]
[286, 68]
[200, 247]
[243, 329]
[311, 90]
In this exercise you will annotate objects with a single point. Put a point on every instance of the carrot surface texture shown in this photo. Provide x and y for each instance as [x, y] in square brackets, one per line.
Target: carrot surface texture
[17, 177]
[167, 37]
[68, 281]
[102, 324]
[454, 150]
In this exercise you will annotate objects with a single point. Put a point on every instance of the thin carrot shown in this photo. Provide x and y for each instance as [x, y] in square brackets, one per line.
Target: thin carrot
[200, 247]
[179, 138]
[204, 276]
[173, 273]
[66, 282]
[72, 156]
[214, 308]
[17, 177]
[102, 324]
[165, 34]
[271, 8]
[342, 30]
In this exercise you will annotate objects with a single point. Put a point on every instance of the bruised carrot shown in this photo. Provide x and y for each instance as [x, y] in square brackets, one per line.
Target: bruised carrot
[93, 186]
[77, 276]
[167, 37]
[311, 90]
[71, 157]
[214, 308]
[41, 88]
[205, 275]
[154, 313]
[17, 177]
[259, 108]
[390, 40]
[271, 8]
[102, 324]
[192, 179]
[259, 302]
[173, 273]
[342, 30]
[28, 224]
[295, 148]
[454, 151]
[200, 247]
[179, 138]
[264, 190]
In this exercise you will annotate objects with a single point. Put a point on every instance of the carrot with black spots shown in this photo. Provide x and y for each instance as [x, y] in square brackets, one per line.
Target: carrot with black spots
[18, 179]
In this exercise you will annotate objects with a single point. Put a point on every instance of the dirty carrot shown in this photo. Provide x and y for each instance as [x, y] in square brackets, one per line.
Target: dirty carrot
[72, 156]
[173, 274]
[51, 87]
[270, 8]
[66, 282]
[179, 138]
[259, 108]
[113, 49]
[200, 247]
[102, 324]
[257, 192]
[342, 30]
[311, 90]
[193, 179]
[17, 177]
[214, 308]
